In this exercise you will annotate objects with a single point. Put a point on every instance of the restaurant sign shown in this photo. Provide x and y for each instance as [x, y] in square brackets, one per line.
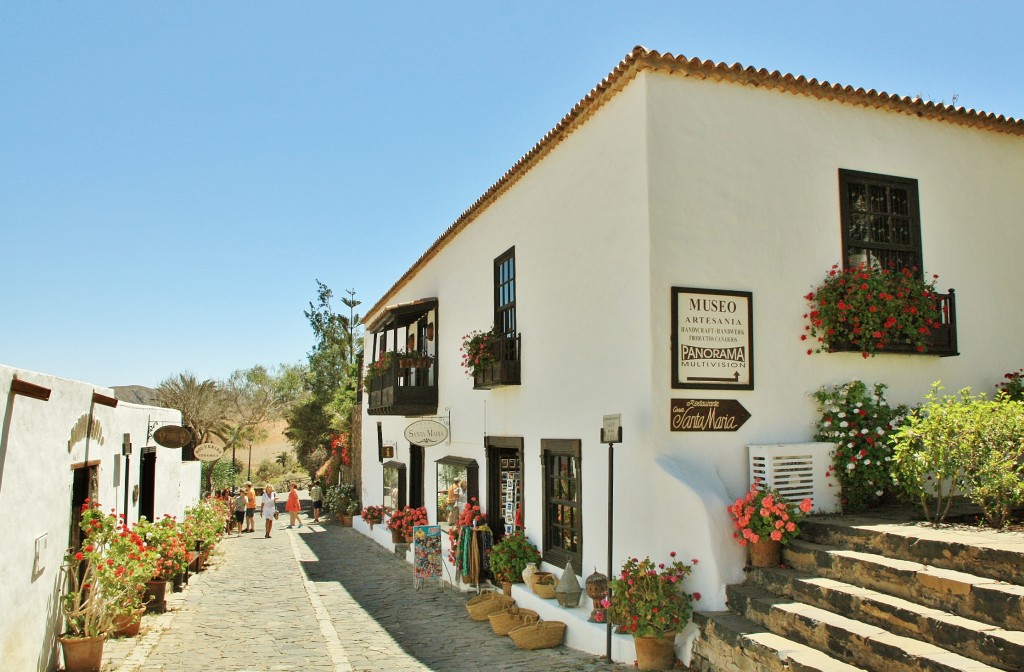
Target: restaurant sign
[707, 415]
[426, 433]
[712, 339]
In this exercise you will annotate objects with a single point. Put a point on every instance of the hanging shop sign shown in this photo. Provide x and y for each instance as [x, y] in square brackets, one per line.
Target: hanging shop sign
[712, 339]
[172, 436]
[208, 452]
[707, 415]
[426, 433]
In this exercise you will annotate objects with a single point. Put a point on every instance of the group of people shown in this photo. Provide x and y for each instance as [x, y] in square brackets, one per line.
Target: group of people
[242, 505]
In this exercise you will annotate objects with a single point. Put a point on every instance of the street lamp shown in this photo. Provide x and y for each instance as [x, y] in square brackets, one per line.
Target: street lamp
[248, 473]
[351, 303]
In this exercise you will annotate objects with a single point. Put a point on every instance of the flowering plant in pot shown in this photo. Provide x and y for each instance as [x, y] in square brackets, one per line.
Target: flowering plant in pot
[764, 514]
[168, 541]
[372, 513]
[204, 524]
[378, 368]
[509, 557]
[401, 521]
[870, 310]
[106, 577]
[478, 350]
[648, 601]
[859, 422]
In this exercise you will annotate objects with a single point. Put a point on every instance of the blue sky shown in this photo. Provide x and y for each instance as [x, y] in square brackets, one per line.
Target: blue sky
[174, 177]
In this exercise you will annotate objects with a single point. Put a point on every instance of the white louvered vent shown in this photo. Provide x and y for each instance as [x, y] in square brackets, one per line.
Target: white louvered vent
[797, 470]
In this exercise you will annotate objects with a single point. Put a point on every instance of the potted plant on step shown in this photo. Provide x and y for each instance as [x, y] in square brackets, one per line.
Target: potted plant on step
[649, 602]
[372, 514]
[510, 556]
[765, 521]
[402, 521]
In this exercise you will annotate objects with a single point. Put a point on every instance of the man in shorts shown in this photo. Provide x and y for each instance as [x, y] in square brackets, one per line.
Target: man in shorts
[250, 507]
[239, 503]
[317, 495]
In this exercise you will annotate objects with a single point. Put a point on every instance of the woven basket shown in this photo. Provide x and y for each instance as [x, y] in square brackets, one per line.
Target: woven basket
[482, 606]
[543, 635]
[503, 621]
[545, 587]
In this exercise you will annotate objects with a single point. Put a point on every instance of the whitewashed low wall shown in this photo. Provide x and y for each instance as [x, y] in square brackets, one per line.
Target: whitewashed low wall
[40, 442]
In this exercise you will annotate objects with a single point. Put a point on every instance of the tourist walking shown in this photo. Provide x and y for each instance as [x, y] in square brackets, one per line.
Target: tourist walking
[293, 506]
[268, 507]
[239, 502]
[317, 495]
[250, 507]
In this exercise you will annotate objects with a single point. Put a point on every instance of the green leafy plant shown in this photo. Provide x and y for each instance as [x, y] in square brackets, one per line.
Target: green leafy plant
[963, 443]
[858, 421]
[341, 498]
[478, 348]
[509, 557]
[647, 600]
[763, 513]
[870, 310]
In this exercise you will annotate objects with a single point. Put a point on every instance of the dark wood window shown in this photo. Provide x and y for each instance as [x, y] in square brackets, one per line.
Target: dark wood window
[505, 294]
[563, 510]
[881, 220]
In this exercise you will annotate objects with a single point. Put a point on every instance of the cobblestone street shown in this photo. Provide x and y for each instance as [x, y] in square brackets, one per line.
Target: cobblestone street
[321, 597]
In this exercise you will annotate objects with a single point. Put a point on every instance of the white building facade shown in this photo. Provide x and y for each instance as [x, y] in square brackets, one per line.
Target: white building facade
[676, 180]
[61, 442]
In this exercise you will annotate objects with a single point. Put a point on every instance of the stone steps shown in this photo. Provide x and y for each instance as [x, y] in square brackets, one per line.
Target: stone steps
[979, 598]
[731, 643]
[986, 553]
[873, 648]
[875, 594]
[988, 644]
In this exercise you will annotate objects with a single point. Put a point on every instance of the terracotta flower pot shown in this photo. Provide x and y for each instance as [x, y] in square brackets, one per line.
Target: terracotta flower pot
[655, 653]
[345, 520]
[156, 591]
[765, 553]
[128, 625]
[83, 654]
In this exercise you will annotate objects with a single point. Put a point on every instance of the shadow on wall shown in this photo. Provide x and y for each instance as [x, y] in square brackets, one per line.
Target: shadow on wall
[697, 494]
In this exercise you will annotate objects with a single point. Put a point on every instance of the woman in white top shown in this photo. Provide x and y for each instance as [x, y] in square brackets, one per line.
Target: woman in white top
[268, 507]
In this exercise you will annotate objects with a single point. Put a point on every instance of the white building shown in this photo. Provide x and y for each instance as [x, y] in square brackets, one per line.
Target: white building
[673, 180]
[62, 441]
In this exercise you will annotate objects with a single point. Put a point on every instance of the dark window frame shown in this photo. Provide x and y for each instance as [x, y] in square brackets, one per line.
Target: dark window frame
[553, 452]
[885, 225]
[505, 322]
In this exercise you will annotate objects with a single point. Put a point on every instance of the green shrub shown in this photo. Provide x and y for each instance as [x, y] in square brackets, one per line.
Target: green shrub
[963, 444]
[858, 422]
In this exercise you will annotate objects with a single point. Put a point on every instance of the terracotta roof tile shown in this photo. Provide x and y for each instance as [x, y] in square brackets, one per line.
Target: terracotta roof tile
[643, 59]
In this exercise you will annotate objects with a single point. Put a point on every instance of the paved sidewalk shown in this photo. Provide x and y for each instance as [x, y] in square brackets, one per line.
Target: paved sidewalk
[323, 597]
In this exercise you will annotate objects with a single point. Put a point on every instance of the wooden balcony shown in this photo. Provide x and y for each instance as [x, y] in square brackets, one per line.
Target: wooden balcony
[505, 369]
[402, 391]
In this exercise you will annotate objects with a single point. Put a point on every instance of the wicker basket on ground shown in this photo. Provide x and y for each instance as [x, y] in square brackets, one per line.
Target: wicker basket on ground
[485, 604]
[542, 635]
[503, 621]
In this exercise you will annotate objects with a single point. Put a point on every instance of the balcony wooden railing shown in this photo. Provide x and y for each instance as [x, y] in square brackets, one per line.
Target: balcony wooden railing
[403, 391]
[505, 369]
[941, 341]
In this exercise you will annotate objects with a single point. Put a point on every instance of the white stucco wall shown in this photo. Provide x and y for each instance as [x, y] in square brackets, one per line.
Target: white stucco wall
[35, 491]
[687, 182]
[745, 196]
